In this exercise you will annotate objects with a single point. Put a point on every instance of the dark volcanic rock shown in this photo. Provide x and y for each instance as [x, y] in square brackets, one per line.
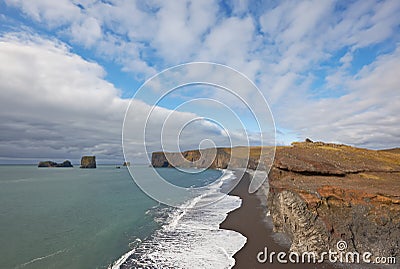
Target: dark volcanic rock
[308, 140]
[88, 162]
[47, 164]
[54, 164]
[66, 164]
[292, 216]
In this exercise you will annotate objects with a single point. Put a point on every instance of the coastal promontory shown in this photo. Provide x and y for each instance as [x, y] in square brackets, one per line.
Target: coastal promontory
[323, 193]
[88, 162]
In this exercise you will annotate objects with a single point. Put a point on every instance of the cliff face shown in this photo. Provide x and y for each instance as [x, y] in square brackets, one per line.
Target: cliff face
[237, 157]
[88, 162]
[54, 164]
[322, 193]
[192, 158]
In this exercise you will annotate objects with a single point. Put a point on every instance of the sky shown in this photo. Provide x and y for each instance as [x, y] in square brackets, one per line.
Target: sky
[329, 70]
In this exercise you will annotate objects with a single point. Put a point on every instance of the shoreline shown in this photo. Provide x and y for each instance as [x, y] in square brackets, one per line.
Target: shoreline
[188, 234]
[250, 220]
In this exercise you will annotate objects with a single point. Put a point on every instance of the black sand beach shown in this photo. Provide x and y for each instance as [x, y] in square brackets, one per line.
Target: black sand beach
[249, 220]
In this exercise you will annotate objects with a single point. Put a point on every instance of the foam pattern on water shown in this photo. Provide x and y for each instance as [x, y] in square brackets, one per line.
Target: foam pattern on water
[190, 237]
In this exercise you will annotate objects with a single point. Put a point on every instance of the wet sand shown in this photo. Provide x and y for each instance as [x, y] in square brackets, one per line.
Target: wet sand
[250, 221]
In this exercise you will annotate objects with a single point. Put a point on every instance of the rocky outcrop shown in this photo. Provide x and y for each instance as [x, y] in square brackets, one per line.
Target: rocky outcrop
[88, 162]
[292, 217]
[321, 193]
[126, 164]
[54, 164]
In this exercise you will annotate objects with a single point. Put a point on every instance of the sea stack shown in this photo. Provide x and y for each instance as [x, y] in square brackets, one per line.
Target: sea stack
[54, 164]
[127, 164]
[88, 162]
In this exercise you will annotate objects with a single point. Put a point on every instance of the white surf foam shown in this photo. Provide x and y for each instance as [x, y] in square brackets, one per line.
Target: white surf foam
[192, 237]
[41, 258]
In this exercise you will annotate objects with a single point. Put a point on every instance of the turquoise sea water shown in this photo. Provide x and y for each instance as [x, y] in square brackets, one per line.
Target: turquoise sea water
[77, 218]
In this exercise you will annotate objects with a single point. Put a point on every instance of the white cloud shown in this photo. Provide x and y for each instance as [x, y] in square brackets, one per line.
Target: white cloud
[181, 27]
[54, 104]
[293, 21]
[366, 116]
[367, 23]
[282, 49]
[53, 13]
[86, 32]
[53, 101]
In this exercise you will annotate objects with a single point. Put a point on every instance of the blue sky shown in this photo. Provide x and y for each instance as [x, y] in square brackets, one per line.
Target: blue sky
[328, 69]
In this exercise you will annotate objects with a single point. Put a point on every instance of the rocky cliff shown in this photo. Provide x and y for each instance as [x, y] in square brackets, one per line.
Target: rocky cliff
[88, 162]
[192, 158]
[321, 193]
[54, 164]
[237, 157]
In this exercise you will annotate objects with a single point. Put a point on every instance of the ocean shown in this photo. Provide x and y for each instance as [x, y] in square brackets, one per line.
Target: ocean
[99, 218]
